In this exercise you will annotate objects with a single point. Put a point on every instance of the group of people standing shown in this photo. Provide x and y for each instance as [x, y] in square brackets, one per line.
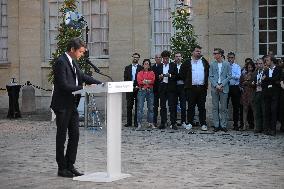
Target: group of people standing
[256, 91]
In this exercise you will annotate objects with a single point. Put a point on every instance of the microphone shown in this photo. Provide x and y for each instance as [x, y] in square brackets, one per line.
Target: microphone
[93, 66]
[90, 63]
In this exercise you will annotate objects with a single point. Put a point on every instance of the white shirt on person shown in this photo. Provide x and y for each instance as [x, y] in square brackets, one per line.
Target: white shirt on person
[74, 68]
[197, 72]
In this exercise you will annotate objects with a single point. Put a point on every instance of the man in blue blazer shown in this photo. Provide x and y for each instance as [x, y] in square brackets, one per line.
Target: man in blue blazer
[219, 75]
[68, 78]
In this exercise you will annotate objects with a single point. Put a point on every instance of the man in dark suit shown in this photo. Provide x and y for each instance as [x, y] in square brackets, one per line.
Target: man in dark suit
[271, 88]
[195, 72]
[130, 74]
[158, 60]
[167, 73]
[68, 78]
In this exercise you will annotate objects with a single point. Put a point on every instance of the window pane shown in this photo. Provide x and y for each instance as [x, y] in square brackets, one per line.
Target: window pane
[272, 2]
[272, 24]
[272, 12]
[262, 37]
[262, 12]
[262, 24]
[273, 47]
[262, 2]
[3, 31]
[282, 48]
[272, 36]
[282, 36]
[262, 49]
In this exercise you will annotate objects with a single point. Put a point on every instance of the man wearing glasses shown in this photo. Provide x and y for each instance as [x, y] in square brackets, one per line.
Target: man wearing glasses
[234, 89]
[130, 74]
[219, 76]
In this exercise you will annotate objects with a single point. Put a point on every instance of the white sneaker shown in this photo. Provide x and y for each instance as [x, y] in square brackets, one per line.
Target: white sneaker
[183, 125]
[188, 126]
[204, 128]
[151, 125]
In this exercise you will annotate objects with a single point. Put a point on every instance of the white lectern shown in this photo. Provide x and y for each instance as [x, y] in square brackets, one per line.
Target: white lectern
[114, 115]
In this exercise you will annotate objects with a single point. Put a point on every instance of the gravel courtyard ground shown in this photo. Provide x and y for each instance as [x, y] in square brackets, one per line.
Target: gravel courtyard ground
[155, 159]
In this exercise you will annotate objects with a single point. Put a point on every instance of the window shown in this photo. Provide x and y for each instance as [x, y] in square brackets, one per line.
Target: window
[3, 32]
[162, 29]
[269, 27]
[95, 13]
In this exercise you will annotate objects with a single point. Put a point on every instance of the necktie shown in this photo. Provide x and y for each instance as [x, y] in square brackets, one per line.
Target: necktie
[74, 68]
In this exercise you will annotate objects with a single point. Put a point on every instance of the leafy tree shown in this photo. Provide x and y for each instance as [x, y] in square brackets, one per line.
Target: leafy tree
[65, 33]
[184, 38]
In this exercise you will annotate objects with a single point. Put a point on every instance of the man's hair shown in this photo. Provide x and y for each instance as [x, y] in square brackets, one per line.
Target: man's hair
[75, 43]
[221, 51]
[166, 53]
[231, 54]
[136, 54]
[196, 47]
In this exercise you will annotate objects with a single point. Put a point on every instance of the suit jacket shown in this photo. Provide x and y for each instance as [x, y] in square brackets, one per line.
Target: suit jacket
[273, 81]
[65, 83]
[226, 74]
[185, 73]
[128, 74]
[156, 83]
[172, 82]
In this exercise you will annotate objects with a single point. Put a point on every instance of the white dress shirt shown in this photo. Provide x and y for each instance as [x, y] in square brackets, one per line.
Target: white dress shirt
[219, 71]
[179, 82]
[197, 72]
[134, 69]
[165, 71]
[74, 68]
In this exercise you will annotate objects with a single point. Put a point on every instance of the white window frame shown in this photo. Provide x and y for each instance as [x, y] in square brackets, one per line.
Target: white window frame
[48, 53]
[173, 5]
[3, 31]
[279, 42]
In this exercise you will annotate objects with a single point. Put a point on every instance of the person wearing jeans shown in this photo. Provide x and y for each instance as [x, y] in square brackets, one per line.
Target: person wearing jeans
[145, 80]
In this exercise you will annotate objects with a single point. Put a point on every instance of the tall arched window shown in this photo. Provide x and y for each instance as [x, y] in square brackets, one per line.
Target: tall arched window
[96, 15]
[3, 32]
[269, 27]
[162, 29]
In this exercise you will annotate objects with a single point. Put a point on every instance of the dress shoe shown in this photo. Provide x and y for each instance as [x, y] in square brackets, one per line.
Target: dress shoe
[174, 127]
[65, 173]
[236, 128]
[126, 125]
[224, 129]
[75, 171]
[162, 126]
[216, 129]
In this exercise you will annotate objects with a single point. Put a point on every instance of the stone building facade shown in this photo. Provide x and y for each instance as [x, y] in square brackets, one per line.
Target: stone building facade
[246, 27]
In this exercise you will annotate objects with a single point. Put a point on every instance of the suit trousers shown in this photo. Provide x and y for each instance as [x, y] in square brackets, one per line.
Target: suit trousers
[235, 95]
[281, 108]
[156, 106]
[219, 108]
[131, 99]
[167, 96]
[67, 120]
[196, 96]
[271, 109]
[259, 112]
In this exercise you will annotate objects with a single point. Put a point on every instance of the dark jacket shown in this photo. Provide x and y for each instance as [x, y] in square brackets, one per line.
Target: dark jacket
[65, 83]
[156, 83]
[128, 73]
[186, 73]
[273, 81]
[172, 82]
